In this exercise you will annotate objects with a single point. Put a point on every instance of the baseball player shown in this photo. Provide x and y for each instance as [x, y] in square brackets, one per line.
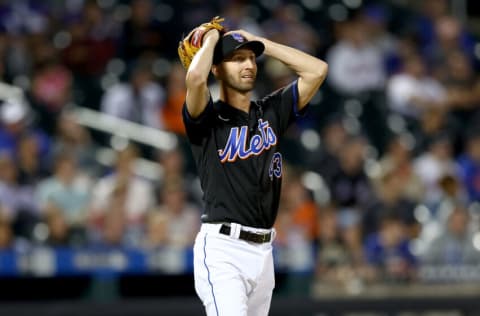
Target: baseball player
[235, 143]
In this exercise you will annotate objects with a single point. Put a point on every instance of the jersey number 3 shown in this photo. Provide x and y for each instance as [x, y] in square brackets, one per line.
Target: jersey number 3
[275, 166]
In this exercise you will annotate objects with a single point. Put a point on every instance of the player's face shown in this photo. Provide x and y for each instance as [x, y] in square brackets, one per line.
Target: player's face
[239, 70]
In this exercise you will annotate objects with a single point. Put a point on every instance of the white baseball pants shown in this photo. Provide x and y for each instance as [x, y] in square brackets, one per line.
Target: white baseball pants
[233, 277]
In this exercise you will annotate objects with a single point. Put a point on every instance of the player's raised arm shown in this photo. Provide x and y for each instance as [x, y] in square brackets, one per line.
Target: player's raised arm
[310, 70]
[196, 54]
[197, 75]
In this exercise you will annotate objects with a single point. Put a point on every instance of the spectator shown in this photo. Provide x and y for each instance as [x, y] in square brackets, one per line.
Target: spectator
[15, 123]
[139, 100]
[434, 121]
[123, 189]
[17, 201]
[157, 227]
[391, 200]
[300, 206]
[60, 233]
[333, 262]
[449, 37]
[469, 163]
[51, 89]
[114, 227]
[397, 161]
[141, 34]
[355, 64]
[183, 217]
[92, 44]
[350, 187]
[454, 246]
[413, 92]
[11, 195]
[6, 234]
[375, 18]
[66, 192]
[76, 139]
[175, 168]
[388, 252]
[33, 164]
[340, 258]
[113, 233]
[171, 113]
[430, 11]
[297, 224]
[333, 135]
[90, 49]
[238, 16]
[463, 89]
[432, 165]
[286, 27]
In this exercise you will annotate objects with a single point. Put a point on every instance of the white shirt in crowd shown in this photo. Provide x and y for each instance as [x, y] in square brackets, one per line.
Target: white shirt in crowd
[354, 69]
[402, 88]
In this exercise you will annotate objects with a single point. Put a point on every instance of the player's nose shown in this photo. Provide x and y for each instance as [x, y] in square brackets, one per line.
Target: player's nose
[250, 63]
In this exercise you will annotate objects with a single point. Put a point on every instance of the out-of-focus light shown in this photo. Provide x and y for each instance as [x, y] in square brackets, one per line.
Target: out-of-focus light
[477, 50]
[396, 123]
[116, 66]
[270, 4]
[313, 5]
[22, 81]
[476, 240]
[108, 80]
[353, 107]
[41, 232]
[338, 12]
[122, 13]
[118, 142]
[352, 125]
[163, 12]
[315, 183]
[105, 4]
[105, 156]
[421, 213]
[62, 39]
[161, 67]
[373, 168]
[352, 4]
[310, 139]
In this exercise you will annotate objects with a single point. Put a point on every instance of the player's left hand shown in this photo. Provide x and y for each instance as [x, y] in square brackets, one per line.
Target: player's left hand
[189, 46]
[248, 36]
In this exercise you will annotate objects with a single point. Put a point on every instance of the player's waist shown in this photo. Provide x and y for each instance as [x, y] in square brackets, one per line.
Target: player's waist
[237, 231]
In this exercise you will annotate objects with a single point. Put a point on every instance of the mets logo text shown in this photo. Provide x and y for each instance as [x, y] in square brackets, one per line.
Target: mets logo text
[236, 146]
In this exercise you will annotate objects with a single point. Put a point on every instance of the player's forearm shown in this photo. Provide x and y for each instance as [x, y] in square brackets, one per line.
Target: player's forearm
[197, 73]
[303, 64]
[310, 70]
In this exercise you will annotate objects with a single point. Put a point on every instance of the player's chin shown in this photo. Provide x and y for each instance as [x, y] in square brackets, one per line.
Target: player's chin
[247, 85]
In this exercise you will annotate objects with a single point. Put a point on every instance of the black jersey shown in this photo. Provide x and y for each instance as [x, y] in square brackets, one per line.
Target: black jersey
[238, 159]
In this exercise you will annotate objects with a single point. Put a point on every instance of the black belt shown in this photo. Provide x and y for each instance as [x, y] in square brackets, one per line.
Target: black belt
[248, 236]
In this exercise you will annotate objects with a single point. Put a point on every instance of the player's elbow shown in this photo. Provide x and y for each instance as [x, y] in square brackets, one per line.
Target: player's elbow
[315, 75]
[319, 71]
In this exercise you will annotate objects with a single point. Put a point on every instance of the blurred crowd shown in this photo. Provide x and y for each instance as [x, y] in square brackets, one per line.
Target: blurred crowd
[382, 176]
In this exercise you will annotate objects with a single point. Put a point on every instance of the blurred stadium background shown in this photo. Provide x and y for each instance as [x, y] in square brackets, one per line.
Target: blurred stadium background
[99, 201]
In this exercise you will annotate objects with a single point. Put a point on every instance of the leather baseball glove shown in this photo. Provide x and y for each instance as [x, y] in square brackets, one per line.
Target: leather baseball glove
[189, 45]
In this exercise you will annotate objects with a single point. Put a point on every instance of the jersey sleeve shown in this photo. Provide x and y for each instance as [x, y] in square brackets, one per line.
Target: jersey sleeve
[285, 104]
[197, 128]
